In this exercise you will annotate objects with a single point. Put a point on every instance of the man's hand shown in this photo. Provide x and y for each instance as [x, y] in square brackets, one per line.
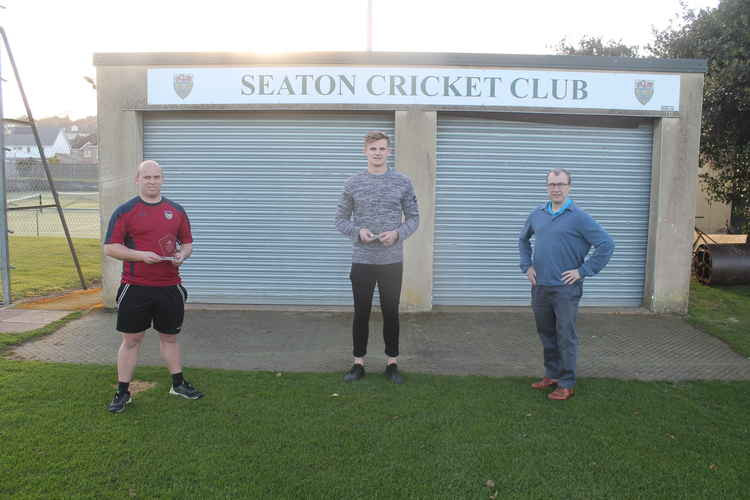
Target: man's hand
[531, 274]
[150, 257]
[366, 236]
[388, 238]
[570, 277]
[179, 258]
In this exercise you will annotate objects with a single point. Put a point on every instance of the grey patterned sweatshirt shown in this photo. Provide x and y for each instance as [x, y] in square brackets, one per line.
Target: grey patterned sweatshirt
[377, 202]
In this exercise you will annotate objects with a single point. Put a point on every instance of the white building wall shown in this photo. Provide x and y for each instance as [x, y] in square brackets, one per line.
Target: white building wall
[60, 146]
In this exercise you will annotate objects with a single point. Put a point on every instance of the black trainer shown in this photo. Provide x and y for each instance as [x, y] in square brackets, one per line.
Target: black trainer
[356, 373]
[119, 401]
[186, 390]
[392, 374]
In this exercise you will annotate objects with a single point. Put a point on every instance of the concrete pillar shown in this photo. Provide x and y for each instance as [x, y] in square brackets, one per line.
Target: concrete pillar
[416, 133]
[672, 216]
[120, 151]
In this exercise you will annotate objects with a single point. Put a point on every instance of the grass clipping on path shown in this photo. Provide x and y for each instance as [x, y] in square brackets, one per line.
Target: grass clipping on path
[75, 300]
[138, 386]
[269, 435]
[13, 338]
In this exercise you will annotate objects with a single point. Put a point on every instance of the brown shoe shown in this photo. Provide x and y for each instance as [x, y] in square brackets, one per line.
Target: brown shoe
[544, 383]
[561, 394]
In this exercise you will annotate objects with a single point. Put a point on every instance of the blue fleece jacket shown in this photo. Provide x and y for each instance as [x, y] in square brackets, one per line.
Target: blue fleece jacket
[562, 242]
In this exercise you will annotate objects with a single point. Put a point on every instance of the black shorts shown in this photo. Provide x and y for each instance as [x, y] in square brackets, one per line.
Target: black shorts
[138, 306]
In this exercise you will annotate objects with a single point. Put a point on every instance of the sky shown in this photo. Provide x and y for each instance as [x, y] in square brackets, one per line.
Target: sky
[53, 41]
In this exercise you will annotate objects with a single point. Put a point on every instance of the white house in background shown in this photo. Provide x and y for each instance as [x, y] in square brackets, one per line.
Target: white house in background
[20, 143]
[72, 133]
[85, 149]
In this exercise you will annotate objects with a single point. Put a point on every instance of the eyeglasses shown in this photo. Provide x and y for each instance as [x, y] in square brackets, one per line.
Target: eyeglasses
[557, 184]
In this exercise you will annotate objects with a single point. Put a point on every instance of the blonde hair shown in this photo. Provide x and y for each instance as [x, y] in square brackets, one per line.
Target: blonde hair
[376, 135]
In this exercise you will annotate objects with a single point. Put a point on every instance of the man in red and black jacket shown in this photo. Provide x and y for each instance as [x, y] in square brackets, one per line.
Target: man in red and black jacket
[151, 236]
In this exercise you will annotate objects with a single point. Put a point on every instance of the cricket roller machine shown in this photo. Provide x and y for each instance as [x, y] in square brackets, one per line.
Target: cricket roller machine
[721, 262]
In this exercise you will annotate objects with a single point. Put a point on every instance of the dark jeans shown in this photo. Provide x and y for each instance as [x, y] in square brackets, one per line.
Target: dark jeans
[555, 310]
[364, 278]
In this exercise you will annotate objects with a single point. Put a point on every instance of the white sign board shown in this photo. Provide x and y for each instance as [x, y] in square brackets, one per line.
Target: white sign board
[422, 86]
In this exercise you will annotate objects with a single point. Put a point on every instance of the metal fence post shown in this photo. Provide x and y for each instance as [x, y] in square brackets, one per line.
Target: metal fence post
[4, 253]
[36, 213]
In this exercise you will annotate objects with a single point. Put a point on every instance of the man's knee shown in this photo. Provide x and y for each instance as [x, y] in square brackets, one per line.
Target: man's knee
[132, 340]
[166, 338]
[390, 308]
[566, 336]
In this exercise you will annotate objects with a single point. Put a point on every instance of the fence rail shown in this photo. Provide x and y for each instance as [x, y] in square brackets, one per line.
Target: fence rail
[28, 176]
[82, 222]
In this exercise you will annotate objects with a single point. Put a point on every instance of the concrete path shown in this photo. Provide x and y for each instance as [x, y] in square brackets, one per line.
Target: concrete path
[23, 320]
[495, 343]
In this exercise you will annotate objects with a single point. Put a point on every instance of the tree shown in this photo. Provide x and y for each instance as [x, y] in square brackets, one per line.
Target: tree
[722, 36]
[594, 46]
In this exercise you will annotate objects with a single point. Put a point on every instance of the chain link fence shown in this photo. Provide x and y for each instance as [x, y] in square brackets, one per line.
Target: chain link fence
[31, 210]
[40, 259]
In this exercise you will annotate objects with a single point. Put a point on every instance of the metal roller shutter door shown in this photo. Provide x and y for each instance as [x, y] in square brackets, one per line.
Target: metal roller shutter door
[261, 191]
[490, 175]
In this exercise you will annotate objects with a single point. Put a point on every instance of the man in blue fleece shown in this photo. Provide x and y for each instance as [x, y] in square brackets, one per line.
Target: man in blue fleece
[563, 235]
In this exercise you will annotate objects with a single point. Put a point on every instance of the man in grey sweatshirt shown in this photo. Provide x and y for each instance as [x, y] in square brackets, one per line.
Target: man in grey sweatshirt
[377, 211]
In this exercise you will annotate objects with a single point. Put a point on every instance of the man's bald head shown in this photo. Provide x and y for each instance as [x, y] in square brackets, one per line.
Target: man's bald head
[147, 164]
[149, 178]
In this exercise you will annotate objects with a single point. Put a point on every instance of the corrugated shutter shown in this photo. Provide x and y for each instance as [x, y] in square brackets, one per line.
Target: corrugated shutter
[491, 174]
[261, 191]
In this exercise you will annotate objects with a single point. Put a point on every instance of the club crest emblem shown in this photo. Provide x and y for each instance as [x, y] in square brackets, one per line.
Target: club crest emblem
[644, 90]
[183, 84]
[168, 214]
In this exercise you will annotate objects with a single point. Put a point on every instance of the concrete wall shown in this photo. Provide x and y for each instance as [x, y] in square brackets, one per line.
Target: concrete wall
[120, 151]
[416, 135]
[672, 217]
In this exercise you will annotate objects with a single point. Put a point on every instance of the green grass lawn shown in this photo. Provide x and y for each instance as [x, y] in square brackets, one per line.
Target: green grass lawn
[42, 266]
[302, 435]
[722, 311]
[259, 435]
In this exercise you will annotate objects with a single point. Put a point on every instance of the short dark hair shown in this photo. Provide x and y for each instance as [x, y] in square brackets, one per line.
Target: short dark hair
[558, 171]
[376, 135]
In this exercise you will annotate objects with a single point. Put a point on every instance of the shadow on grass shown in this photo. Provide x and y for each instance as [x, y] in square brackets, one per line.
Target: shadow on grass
[739, 291]
[722, 311]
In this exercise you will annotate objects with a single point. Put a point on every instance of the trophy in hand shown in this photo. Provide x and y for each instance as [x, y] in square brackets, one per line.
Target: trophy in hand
[168, 247]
